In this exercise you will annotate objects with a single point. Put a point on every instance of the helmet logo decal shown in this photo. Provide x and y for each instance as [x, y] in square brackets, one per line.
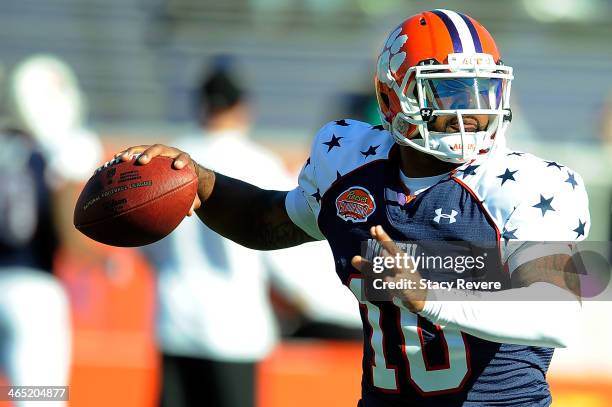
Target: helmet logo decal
[355, 204]
[391, 59]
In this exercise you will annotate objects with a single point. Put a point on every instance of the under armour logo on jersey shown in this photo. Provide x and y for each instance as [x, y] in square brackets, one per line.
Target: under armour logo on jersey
[450, 217]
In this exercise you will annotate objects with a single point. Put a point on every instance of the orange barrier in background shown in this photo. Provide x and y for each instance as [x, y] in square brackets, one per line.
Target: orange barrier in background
[581, 391]
[306, 374]
[311, 373]
[115, 360]
[4, 382]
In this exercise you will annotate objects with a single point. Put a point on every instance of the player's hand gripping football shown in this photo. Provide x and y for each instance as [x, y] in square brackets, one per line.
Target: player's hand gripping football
[414, 298]
[181, 159]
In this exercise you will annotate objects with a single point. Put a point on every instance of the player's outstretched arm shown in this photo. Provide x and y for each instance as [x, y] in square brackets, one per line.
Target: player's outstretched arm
[508, 316]
[248, 215]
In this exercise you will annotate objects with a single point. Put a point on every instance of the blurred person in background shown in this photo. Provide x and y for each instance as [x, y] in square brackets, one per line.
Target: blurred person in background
[606, 122]
[41, 127]
[215, 319]
[606, 139]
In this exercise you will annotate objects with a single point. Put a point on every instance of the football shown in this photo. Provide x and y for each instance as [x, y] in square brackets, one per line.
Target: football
[128, 204]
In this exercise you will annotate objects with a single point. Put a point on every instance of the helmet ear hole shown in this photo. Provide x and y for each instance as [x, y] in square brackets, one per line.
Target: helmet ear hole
[385, 99]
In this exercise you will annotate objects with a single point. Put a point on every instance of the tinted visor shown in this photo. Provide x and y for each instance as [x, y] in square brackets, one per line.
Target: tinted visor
[463, 93]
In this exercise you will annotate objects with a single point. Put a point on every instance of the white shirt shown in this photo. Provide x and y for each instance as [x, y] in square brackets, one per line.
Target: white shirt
[213, 292]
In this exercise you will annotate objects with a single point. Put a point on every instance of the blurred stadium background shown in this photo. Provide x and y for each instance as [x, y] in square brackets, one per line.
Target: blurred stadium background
[303, 63]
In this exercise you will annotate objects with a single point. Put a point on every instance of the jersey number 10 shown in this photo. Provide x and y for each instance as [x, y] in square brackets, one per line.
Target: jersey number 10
[425, 378]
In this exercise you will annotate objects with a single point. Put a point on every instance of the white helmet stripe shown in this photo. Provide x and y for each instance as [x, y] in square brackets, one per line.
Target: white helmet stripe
[467, 42]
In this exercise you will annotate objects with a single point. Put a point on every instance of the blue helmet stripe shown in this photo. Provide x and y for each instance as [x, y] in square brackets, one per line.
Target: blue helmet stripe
[475, 37]
[452, 30]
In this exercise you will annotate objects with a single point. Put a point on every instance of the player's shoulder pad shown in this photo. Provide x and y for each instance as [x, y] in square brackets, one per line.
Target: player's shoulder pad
[341, 147]
[506, 179]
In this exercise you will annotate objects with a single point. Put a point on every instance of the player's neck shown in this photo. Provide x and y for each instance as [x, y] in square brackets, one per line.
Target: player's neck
[415, 164]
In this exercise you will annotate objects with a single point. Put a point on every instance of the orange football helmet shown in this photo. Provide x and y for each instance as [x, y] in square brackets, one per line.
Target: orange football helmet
[436, 63]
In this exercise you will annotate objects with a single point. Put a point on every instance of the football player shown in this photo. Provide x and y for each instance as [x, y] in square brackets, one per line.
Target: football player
[435, 170]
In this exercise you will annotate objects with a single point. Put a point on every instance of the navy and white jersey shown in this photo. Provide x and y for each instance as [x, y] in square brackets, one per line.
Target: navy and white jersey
[351, 182]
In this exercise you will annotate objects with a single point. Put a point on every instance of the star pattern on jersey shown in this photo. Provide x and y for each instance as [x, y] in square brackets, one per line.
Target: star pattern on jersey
[469, 170]
[580, 229]
[378, 127]
[317, 195]
[507, 176]
[342, 123]
[516, 153]
[370, 151]
[509, 234]
[544, 204]
[307, 162]
[338, 175]
[553, 164]
[334, 142]
[571, 180]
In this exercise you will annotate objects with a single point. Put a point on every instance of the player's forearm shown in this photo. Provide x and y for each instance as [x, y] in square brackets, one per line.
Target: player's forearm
[248, 215]
[510, 316]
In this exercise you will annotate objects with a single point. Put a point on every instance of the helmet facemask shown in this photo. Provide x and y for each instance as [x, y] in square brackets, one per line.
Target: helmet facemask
[468, 85]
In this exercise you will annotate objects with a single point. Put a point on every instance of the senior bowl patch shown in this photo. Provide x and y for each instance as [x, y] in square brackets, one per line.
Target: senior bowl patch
[355, 204]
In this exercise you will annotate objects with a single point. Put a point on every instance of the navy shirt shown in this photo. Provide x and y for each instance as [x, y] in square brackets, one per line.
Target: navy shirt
[351, 182]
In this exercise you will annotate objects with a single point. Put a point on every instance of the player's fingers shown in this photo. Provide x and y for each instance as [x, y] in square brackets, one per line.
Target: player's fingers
[152, 151]
[397, 268]
[385, 253]
[127, 154]
[195, 205]
[380, 233]
[381, 236]
[360, 263]
[182, 160]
